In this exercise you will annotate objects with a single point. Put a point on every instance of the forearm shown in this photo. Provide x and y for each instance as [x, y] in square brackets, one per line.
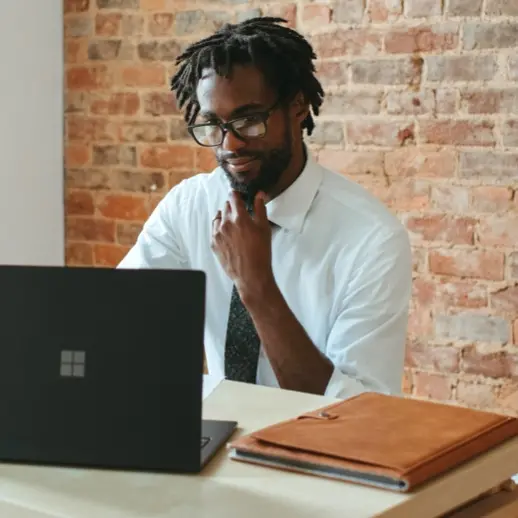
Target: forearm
[296, 361]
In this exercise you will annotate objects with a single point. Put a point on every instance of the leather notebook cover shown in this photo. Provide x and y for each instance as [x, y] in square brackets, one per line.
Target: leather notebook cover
[384, 441]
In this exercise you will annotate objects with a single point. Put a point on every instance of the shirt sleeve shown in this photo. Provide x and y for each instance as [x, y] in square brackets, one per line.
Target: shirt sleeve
[367, 341]
[159, 244]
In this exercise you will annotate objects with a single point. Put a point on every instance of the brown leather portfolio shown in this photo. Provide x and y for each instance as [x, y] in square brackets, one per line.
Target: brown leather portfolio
[385, 441]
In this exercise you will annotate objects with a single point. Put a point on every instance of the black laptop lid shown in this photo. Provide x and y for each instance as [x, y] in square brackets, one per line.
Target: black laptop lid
[101, 367]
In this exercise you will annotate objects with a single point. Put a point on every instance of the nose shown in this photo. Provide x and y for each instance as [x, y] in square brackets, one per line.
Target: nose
[232, 144]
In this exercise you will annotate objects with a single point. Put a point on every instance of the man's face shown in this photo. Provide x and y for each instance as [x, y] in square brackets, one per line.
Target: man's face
[252, 164]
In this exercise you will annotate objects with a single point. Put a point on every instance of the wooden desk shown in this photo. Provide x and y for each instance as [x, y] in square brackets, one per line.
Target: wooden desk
[229, 489]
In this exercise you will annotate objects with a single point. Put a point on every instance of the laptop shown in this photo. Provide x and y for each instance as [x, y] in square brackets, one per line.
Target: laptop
[103, 368]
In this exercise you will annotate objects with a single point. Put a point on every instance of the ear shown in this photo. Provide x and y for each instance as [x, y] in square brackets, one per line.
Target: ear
[300, 107]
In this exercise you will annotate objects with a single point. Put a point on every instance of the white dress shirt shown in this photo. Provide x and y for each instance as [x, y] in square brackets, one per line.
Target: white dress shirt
[341, 260]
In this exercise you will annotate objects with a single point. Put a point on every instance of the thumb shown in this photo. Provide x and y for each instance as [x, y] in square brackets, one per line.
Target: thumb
[260, 212]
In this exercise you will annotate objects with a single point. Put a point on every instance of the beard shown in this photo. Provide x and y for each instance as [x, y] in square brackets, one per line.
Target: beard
[273, 163]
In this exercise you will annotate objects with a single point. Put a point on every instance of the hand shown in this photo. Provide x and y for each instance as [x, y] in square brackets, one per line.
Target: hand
[242, 244]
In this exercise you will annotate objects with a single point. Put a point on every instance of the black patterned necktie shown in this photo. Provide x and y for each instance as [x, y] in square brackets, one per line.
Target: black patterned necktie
[242, 345]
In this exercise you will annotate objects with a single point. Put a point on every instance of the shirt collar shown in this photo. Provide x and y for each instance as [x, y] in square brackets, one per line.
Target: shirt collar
[289, 209]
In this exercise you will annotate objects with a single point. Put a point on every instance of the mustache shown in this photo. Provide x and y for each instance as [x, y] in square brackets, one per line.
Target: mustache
[231, 156]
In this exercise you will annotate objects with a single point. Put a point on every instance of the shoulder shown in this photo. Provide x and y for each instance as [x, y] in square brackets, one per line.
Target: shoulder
[354, 212]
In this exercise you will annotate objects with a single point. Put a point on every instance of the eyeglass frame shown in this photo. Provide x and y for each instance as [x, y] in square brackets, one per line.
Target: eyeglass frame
[225, 127]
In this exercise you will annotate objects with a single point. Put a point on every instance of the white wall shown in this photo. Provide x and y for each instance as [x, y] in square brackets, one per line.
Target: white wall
[31, 132]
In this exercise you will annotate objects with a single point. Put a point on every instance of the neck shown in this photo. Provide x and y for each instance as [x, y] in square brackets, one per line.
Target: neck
[292, 172]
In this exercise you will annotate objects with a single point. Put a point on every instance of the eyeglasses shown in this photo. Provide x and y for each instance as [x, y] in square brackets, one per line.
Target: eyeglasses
[212, 134]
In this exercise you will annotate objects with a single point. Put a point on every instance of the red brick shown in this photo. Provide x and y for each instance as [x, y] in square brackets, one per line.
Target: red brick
[286, 11]
[88, 129]
[380, 133]
[472, 327]
[77, 155]
[76, 51]
[419, 259]
[108, 24]
[168, 157]
[510, 133]
[77, 26]
[123, 206]
[495, 166]
[440, 227]
[410, 103]
[397, 71]
[352, 102]
[205, 160]
[465, 8]
[506, 300]
[175, 177]
[435, 38]
[490, 35]
[420, 323]
[76, 102]
[153, 5]
[109, 155]
[492, 365]
[143, 131]
[407, 194]
[133, 25]
[88, 77]
[160, 103]
[477, 264]
[408, 385]
[423, 8]
[161, 24]
[315, 16]
[144, 76]
[90, 229]
[490, 101]
[345, 42]
[432, 386]
[462, 294]
[331, 72]
[423, 292]
[79, 203]
[79, 254]
[451, 198]
[352, 162]
[461, 68]
[501, 8]
[384, 10]
[419, 162]
[117, 103]
[433, 358]
[476, 395]
[515, 332]
[513, 266]
[458, 132]
[348, 11]
[76, 6]
[128, 232]
[109, 256]
[499, 230]
[446, 100]
[508, 398]
[491, 199]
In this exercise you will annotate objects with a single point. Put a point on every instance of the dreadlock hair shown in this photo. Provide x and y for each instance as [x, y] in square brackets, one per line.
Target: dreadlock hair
[282, 54]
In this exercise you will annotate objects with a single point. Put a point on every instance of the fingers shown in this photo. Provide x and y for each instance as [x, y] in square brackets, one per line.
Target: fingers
[261, 215]
[237, 204]
[216, 222]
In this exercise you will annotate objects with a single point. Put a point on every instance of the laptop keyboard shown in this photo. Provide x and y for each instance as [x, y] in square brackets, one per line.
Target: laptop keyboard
[204, 441]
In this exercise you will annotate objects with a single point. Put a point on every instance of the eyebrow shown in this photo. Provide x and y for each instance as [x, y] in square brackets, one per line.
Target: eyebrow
[242, 110]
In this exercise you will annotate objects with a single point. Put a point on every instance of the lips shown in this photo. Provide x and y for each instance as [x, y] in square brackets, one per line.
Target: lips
[239, 165]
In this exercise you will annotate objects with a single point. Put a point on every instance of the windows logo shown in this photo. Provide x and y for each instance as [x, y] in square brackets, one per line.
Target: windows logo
[73, 364]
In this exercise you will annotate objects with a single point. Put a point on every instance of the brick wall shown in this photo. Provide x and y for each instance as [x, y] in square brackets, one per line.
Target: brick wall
[422, 109]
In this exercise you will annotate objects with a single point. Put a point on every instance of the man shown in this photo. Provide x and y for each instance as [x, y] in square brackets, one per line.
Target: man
[308, 275]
